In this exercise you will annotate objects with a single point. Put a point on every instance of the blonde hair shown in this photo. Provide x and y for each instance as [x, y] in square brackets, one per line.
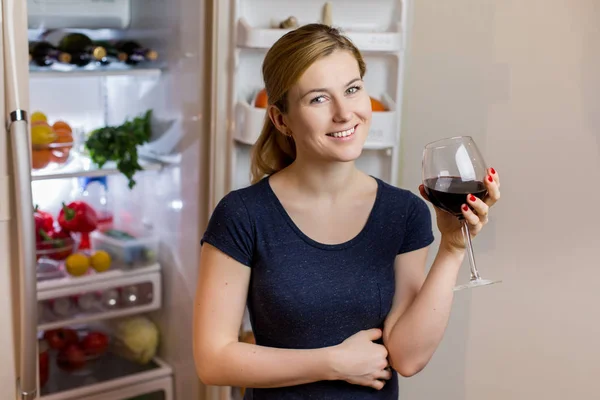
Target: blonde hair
[283, 66]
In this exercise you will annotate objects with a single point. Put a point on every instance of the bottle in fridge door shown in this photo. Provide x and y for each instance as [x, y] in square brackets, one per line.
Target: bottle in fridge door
[94, 191]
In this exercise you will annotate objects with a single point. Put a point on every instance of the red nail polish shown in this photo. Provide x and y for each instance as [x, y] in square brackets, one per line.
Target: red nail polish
[490, 178]
[472, 198]
[493, 171]
[465, 207]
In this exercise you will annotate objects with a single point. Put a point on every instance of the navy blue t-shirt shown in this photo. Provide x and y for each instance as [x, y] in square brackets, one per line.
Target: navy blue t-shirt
[304, 294]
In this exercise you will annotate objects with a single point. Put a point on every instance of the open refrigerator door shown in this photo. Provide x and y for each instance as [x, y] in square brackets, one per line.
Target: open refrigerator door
[246, 29]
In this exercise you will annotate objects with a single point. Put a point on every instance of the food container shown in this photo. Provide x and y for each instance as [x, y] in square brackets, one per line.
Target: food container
[51, 155]
[127, 248]
[50, 255]
[56, 249]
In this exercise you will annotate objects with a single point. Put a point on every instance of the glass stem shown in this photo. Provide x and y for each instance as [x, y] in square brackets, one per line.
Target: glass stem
[467, 235]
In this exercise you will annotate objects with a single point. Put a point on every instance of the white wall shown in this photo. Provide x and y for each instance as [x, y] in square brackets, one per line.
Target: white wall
[523, 78]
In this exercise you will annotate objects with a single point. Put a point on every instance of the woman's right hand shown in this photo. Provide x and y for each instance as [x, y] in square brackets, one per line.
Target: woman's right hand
[359, 361]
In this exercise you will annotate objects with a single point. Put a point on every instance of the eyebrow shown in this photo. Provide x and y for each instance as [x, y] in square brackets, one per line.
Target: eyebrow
[325, 89]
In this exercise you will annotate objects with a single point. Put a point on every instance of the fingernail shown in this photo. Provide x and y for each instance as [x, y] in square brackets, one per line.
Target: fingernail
[465, 207]
[493, 171]
[490, 178]
[472, 198]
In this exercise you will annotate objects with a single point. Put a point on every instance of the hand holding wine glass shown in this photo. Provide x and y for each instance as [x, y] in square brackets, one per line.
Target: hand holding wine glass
[462, 189]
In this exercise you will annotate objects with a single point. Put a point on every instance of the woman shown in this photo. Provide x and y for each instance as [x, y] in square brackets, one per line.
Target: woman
[329, 260]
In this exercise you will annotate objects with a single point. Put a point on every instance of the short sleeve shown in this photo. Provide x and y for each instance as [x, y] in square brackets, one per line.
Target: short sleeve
[418, 227]
[230, 229]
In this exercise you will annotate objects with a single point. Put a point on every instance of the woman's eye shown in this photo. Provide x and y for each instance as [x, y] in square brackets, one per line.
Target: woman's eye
[318, 99]
[353, 89]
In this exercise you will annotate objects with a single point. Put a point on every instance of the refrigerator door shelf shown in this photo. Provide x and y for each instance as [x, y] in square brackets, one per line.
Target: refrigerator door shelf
[264, 38]
[111, 377]
[127, 295]
[383, 133]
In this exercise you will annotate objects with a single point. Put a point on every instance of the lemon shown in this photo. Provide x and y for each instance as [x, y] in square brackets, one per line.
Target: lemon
[100, 260]
[38, 116]
[42, 134]
[77, 264]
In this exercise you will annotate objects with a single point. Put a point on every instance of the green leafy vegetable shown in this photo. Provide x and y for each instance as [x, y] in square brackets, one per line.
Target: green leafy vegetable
[119, 143]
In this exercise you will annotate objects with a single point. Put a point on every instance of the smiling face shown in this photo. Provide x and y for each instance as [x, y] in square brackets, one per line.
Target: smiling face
[329, 110]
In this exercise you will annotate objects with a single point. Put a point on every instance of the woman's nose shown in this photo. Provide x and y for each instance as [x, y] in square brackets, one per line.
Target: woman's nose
[342, 111]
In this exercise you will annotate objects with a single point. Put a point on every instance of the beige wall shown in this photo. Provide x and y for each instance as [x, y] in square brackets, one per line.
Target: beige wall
[523, 78]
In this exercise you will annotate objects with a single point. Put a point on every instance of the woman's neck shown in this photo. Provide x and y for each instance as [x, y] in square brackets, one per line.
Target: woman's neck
[331, 179]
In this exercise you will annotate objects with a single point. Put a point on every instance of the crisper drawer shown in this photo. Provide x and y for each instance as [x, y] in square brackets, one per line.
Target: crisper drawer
[112, 294]
[117, 380]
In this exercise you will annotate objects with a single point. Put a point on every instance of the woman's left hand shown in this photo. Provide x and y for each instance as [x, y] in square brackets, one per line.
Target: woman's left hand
[476, 215]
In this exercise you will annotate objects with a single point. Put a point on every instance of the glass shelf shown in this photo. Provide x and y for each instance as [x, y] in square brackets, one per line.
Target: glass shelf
[115, 69]
[83, 166]
[108, 372]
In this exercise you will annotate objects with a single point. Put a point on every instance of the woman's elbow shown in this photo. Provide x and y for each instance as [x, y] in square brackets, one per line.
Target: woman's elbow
[408, 368]
[205, 366]
[207, 372]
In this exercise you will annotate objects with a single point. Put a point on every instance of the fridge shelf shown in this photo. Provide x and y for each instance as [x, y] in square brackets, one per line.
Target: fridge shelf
[118, 69]
[113, 276]
[110, 372]
[83, 166]
[146, 296]
[263, 38]
[382, 135]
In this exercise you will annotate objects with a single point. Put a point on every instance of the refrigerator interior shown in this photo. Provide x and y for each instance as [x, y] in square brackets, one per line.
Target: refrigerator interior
[169, 198]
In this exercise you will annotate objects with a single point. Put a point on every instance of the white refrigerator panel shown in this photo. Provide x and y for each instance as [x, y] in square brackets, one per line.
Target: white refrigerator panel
[18, 371]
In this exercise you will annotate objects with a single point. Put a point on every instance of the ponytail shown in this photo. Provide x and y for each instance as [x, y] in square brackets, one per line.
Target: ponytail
[272, 152]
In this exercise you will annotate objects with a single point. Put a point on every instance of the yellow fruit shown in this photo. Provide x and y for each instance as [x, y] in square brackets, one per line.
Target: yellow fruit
[38, 116]
[100, 260]
[42, 134]
[77, 264]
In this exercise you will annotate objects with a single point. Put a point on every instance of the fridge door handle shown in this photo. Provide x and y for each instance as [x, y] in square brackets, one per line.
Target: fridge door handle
[19, 138]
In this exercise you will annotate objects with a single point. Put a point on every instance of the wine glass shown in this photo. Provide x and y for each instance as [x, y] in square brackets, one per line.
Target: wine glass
[452, 169]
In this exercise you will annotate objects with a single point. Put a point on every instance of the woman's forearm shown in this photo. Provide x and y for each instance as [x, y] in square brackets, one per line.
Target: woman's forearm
[419, 330]
[248, 365]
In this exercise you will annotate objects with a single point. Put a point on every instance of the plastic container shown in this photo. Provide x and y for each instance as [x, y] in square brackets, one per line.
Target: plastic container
[50, 255]
[127, 249]
[50, 155]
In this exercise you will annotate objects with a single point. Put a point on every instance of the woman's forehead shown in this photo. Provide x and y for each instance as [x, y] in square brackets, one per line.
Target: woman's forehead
[330, 72]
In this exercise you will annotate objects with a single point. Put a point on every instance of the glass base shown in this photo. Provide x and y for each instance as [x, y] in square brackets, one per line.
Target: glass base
[475, 283]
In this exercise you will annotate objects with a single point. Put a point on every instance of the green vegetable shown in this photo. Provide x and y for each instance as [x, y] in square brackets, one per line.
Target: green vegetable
[119, 143]
[135, 338]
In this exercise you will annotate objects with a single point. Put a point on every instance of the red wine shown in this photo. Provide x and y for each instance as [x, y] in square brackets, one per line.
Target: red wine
[450, 193]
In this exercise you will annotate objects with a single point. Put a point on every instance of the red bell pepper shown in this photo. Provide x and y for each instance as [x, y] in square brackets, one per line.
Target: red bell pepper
[46, 220]
[78, 216]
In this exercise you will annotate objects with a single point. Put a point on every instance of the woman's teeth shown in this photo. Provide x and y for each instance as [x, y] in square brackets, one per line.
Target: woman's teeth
[342, 133]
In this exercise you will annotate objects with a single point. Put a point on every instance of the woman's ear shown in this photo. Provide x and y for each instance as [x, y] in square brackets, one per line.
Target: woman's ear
[278, 119]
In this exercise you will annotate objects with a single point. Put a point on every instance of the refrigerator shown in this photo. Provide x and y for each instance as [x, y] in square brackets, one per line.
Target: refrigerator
[201, 91]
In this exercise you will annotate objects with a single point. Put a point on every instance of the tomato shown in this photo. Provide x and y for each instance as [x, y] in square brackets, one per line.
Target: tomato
[61, 337]
[95, 343]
